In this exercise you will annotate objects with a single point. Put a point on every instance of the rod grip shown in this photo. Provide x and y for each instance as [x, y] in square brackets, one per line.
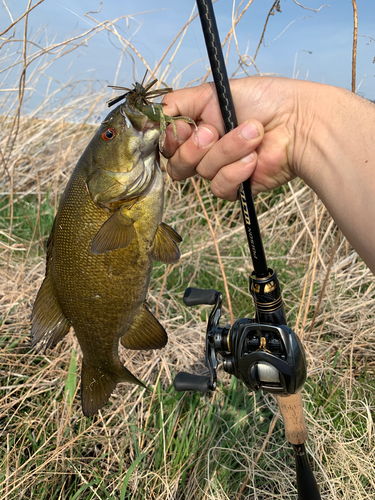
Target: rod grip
[291, 408]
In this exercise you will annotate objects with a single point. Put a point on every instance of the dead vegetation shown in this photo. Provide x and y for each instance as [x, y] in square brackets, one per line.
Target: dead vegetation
[162, 445]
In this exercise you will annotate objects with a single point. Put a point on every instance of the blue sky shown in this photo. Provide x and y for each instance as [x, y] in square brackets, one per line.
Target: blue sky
[152, 25]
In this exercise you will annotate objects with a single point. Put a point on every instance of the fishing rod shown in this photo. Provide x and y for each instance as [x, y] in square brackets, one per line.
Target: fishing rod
[263, 352]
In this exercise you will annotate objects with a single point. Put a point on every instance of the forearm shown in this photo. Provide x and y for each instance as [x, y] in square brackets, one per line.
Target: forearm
[334, 153]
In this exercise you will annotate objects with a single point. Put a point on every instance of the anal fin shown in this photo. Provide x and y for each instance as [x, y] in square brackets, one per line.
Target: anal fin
[49, 323]
[116, 232]
[145, 332]
[164, 248]
[97, 386]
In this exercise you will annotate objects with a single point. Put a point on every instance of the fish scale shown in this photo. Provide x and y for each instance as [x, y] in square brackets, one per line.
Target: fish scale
[107, 232]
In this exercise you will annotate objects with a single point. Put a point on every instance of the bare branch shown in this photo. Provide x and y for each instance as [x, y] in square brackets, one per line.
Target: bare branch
[275, 5]
[354, 56]
[21, 17]
[308, 8]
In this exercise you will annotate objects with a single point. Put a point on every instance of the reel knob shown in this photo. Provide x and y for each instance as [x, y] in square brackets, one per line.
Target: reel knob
[189, 382]
[196, 296]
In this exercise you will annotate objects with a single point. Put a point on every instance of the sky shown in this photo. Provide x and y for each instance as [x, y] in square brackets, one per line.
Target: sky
[298, 42]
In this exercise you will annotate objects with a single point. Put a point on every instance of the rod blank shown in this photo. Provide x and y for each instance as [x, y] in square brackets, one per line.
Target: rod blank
[219, 73]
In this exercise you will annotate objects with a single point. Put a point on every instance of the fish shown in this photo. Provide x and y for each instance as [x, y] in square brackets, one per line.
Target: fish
[107, 232]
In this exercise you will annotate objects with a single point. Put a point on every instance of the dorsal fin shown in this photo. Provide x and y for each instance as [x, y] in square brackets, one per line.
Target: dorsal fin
[48, 321]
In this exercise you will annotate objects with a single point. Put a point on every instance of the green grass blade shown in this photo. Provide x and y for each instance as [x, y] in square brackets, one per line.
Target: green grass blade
[128, 475]
[82, 489]
[71, 381]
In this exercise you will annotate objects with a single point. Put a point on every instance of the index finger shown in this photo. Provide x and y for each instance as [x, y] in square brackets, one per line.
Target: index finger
[199, 103]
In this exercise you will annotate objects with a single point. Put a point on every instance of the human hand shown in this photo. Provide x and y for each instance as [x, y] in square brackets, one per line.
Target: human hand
[260, 148]
[323, 134]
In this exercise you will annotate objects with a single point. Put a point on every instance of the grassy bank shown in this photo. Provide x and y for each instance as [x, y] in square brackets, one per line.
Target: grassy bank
[165, 445]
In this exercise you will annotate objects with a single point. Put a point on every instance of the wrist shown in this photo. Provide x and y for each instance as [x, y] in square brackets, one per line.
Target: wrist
[334, 155]
[311, 135]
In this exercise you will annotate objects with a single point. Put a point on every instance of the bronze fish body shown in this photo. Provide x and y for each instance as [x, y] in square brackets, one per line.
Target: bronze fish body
[105, 236]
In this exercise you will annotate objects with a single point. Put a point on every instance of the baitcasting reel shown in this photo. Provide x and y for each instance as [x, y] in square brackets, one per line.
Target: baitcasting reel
[265, 357]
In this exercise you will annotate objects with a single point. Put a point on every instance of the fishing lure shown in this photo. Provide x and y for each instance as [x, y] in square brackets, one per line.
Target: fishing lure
[139, 97]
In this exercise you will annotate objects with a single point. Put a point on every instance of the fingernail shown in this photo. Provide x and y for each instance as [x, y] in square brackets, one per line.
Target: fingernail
[203, 137]
[249, 131]
[182, 134]
[248, 159]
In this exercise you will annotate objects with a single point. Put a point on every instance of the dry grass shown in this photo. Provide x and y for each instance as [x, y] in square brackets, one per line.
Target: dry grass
[164, 445]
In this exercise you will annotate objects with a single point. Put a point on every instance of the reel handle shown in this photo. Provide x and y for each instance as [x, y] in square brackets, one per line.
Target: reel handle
[187, 381]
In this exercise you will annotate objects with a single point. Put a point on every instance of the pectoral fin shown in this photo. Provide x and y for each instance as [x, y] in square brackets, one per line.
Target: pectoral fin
[48, 321]
[164, 248]
[116, 232]
[145, 332]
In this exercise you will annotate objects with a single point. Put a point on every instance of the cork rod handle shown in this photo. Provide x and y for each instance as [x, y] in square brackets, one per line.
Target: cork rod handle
[291, 408]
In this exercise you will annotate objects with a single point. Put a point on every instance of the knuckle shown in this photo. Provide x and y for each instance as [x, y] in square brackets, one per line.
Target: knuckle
[179, 169]
[233, 146]
[204, 170]
[219, 189]
[226, 148]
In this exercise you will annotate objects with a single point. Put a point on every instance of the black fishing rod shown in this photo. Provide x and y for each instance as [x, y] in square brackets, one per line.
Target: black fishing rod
[263, 352]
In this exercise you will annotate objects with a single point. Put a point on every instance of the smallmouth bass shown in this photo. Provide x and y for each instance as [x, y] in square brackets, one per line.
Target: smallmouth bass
[105, 236]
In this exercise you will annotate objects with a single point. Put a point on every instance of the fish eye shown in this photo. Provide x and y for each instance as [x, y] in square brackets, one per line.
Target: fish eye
[108, 134]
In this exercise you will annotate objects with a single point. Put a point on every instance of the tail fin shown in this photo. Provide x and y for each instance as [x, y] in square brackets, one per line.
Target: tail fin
[97, 386]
